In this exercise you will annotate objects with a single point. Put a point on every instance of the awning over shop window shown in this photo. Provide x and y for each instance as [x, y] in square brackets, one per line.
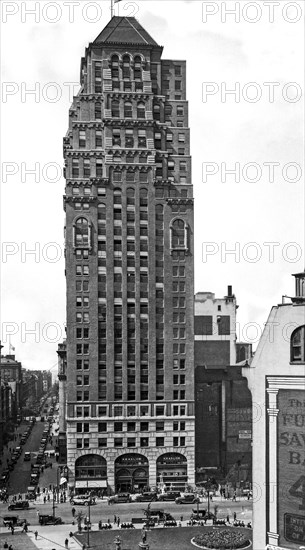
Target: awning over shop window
[91, 484]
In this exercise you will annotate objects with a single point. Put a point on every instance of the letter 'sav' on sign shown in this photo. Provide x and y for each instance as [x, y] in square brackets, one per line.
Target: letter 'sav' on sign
[291, 468]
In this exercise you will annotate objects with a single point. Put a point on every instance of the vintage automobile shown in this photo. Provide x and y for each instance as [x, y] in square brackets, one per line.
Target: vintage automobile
[146, 497]
[170, 495]
[187, 498]
[120, 497]
[19, 505]
[14, 521]
[47, 519]
[82, 500]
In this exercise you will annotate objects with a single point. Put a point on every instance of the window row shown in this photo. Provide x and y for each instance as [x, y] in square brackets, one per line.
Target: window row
[103, 427]
[132, 410]
[84, 443]
[127, 109]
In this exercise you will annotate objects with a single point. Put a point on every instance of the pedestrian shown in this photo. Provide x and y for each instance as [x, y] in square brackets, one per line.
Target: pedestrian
[37, 513]
[36, 535]
[12, 529]
[10, 547]
[73, 512]
[114, 520]
[44, 499]
[234, 516]
[67, 543]
[48, 498]
[118, 521]
[228, 519]
[5, 544]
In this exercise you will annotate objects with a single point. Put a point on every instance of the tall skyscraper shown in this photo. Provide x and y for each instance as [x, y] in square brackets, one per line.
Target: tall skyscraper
[129, 267]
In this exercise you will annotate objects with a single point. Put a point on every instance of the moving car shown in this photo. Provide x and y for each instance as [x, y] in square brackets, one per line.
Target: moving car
[146, 497]
[82, 500]
[27, 456]
[19, 505]
[47, 519]
[187, 498]
[120, 497]
[170, 495]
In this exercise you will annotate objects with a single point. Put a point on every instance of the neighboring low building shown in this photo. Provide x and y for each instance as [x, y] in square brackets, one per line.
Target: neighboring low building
[12, 375]
[223, 400]
[276, 378]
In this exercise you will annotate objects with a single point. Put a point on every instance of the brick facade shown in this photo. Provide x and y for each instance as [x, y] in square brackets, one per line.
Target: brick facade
[129, 261]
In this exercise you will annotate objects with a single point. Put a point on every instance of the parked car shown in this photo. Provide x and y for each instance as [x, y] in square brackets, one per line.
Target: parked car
[47, 519]
[19, 505]
[82, 500]
[187, 498]
[170, 495]
[120, 497]
[27, 456]
[146, 497]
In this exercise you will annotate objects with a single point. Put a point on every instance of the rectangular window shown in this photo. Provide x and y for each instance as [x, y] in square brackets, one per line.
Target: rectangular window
[79, 427]
[144, 426]
[82, 139]
[98, 139]
[181, 138]
[129, 139]
[102, 410]
[98, 111]
[159, 410]
[118, 442]
[159, 426]
[116, 137]
[144, 442]
[99, 168]
[177, 85]
[102, 427]
[102, 442]
[131, 442]
[159, 441]
[118, 426]
[177, 70]
[87, 169]
[75, 168]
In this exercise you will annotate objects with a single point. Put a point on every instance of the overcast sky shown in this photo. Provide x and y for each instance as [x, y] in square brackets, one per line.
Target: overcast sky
[261, 44]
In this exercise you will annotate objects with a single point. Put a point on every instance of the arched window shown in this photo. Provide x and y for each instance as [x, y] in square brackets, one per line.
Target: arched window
[126, 67]
[115, 108]
[127, 109]
[130, 194]
[90, 466]
[115, 67]
[178, 234]
[297, 345]
[81, 233]
[141, 110]
[143, 197]
[117, 196]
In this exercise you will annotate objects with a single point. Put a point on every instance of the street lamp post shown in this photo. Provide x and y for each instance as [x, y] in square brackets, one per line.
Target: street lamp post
[89, 519]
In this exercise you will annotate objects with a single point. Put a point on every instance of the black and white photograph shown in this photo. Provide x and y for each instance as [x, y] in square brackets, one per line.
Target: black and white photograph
[152, 375]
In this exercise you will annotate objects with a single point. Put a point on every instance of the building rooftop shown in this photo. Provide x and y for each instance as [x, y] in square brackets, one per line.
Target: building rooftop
[124, 30]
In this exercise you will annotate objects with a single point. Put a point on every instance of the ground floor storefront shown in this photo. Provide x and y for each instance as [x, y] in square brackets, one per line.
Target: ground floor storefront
[130, 472]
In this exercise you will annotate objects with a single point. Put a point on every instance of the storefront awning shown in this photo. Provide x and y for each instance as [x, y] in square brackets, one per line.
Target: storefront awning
[91, 484]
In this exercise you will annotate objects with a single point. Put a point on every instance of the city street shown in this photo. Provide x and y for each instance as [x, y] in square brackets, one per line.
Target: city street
[102, 511]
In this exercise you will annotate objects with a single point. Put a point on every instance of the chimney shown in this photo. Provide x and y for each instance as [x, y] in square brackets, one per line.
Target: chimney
[230, 291]
[299, 288]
